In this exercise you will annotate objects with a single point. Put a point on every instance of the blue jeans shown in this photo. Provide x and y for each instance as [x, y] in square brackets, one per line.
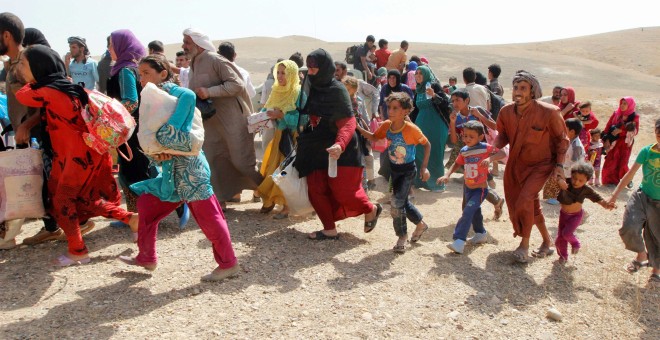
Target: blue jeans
[403, 176]
[472, 199]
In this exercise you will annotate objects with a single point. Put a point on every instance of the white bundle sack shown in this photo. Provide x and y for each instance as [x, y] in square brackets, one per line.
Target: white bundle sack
[293, 188]
[21, 181]
[156, 108]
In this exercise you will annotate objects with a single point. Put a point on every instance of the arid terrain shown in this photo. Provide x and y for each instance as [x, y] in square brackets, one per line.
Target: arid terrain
[356, 287]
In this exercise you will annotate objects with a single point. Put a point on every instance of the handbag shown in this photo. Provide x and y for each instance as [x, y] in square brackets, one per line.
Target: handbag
[205, 106]
[381, 144]
[293, 187]
[21, 182]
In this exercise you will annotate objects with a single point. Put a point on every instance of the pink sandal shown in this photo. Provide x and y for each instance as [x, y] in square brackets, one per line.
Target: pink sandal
[65, 261]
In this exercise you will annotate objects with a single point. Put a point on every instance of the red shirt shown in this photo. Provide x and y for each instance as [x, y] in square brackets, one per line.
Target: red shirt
[470, 157]
[381, 57]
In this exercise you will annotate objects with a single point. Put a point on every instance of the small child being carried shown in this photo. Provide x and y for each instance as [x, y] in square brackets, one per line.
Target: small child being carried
[475, 157]
[573, 192]
[402, 136]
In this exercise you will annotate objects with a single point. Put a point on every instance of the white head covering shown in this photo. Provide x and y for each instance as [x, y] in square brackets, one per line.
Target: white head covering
[202, 40]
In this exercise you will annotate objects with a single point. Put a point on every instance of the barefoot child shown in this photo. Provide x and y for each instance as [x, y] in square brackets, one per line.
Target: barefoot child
[402, 136]
[642, 212]
[475, 157]
[573, 192]
[183, 178]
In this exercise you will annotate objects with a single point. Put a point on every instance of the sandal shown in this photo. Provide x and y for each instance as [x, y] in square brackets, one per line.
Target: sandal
[634, 266]
[65, 261]
[543, 252]
[416, 237]
[320, 236]
[520, 257]
[370, 225]
[133, 262]
[654, 279]
[266, 210]
[281, 216]
[399, 249]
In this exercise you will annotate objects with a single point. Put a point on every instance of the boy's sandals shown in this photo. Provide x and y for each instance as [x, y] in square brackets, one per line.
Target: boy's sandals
[320, 236]
[65, 261]
[543, 252]
[370, 225]
[266, 210]
[634, 266]
[415, 237]
[281, 216]
[400, 246]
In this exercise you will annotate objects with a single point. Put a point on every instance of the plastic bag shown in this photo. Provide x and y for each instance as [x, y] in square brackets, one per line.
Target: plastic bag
[109, 124]
[381, 144]
[156, 108]
[21, 182]
[293, 187]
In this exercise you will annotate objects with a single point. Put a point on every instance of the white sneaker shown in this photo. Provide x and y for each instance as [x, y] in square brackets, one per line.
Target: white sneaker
[457, 246]
[478, 238]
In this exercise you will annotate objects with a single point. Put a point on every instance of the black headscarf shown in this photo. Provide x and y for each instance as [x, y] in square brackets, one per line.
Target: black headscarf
[48, 70]
[34, 36]
[397, 88]
[328, 97]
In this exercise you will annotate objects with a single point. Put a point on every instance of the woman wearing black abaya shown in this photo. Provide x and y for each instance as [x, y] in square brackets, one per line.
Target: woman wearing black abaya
[331, 133]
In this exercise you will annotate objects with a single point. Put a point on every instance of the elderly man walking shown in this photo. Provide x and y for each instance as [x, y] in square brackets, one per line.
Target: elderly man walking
[536, 135]
[228, 145]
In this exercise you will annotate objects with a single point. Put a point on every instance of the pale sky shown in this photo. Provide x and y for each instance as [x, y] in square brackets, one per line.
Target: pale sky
[471, 22]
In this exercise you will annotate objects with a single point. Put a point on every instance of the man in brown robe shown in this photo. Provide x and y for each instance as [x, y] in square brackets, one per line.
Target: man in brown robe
[228, 145]
[537, 138]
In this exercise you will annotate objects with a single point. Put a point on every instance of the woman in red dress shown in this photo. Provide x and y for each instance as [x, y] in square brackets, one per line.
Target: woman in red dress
[81, 184]
[618, 137]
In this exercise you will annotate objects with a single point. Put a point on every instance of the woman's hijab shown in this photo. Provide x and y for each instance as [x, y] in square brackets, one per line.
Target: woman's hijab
[631, 108]
[571, 98]
[34, 36]
[328, 97]
[128, 49]
[285, 97]
[48, 71]
[428, 77]
[397, 88]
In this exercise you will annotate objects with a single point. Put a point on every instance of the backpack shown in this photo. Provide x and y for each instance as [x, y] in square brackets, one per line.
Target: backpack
[109, 124]
[496, 103]
[351, 52]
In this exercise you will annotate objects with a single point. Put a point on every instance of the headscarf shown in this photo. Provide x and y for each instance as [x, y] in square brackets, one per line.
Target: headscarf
[48, 71]
[571, 98]
[128, 49]
[34, 36]
[285, 97]
[618, 114]
[412, 66]
[424, 60]
[428, 78]
[381, 71]
[522, 75]
[328, 98]
[80, 41]
[202, 40]
[397, 88]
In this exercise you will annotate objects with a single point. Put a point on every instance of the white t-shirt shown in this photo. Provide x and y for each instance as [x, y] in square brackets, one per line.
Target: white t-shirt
[248, 82]
[479, 96]
[183, 76]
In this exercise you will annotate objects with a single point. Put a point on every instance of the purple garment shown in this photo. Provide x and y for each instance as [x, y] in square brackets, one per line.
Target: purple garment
[128, 49]
[568, 224]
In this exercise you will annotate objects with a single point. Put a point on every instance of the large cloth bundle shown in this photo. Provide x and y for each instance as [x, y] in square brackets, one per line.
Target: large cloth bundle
[293, 187]
[21, 182]
[109, 123]
[156, 108]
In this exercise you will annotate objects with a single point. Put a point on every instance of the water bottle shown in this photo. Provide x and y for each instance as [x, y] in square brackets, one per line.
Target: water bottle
[34, 144]
[428, 86]
[11, 143]
[332, 167]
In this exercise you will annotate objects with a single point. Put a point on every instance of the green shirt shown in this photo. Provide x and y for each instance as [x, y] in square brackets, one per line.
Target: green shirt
[650, 161]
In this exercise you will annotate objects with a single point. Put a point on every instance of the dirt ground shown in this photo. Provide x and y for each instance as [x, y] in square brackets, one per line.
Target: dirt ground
[355, 287]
